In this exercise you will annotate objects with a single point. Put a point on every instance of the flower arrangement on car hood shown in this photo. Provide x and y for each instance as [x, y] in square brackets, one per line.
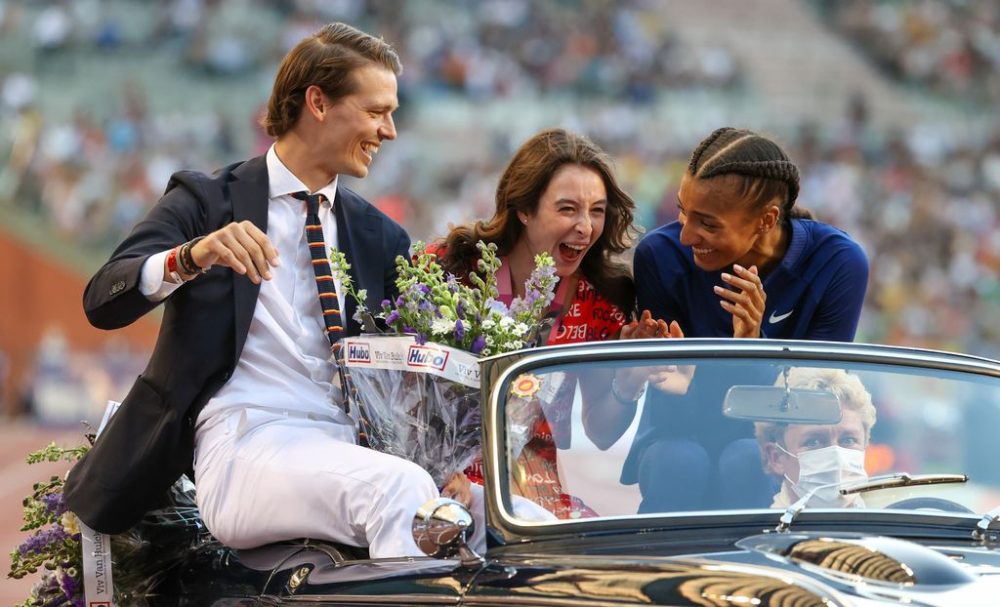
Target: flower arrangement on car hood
[415, 391]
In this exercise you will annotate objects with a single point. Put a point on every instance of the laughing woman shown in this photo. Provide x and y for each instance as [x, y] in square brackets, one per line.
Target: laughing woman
[741, 261]
[559, 195]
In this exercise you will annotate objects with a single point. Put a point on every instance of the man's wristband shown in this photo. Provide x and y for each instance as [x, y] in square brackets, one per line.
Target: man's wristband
[623, 399]
[187, 260]
[172, 270]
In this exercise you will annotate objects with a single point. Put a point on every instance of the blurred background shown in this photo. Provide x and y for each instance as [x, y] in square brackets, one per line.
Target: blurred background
[888, 107]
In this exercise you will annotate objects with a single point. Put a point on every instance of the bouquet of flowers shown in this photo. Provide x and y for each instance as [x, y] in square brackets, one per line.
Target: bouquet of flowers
[142, 557]
[54, 545]
[416, 390]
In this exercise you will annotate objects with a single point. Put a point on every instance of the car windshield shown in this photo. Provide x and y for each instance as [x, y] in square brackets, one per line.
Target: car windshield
[610, 437]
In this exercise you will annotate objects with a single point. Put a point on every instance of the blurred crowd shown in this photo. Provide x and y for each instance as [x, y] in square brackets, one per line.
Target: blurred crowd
[95, 170]
[479, 78]
[950, 46]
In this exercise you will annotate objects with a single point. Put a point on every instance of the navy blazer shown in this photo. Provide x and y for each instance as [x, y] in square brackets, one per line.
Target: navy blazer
[149, 442]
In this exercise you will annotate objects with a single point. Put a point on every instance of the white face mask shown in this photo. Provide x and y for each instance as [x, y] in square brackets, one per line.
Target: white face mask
[826, 466]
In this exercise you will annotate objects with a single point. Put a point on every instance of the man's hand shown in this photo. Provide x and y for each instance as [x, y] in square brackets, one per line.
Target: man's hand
[745, 300]
[240, 246]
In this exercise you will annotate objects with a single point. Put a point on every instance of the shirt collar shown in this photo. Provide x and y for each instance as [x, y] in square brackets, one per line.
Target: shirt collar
[282, 182]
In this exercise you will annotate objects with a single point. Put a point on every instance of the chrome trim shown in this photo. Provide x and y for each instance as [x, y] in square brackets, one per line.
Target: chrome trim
[713, 347]
[841, 352]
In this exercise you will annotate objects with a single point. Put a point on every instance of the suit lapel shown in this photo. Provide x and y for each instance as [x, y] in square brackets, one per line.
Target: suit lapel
[248, 195]
[357, 237]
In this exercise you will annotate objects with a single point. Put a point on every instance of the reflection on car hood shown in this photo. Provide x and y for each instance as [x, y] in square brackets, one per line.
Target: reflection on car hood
[800, 569]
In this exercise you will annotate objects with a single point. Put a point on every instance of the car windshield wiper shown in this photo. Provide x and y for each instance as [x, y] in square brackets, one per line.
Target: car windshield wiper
[889, 481]
[902, 479]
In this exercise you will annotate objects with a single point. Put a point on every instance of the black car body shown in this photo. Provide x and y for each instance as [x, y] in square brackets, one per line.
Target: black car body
[925, 532]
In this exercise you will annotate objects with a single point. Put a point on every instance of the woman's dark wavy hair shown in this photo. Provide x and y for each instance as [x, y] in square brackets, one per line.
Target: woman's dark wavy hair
[761, 169]
[521, 187]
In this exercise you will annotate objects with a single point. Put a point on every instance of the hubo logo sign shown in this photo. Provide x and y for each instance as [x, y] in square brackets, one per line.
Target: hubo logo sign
[402, 353]
[358, 352]
[423, 356]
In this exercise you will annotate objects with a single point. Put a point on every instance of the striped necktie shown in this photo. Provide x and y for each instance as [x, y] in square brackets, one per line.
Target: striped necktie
[321, 266]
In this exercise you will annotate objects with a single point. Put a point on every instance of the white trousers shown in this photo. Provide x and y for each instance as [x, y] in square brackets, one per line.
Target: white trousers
[263, 477]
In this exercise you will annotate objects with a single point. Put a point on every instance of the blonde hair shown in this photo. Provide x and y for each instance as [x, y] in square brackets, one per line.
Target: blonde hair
[847, 387]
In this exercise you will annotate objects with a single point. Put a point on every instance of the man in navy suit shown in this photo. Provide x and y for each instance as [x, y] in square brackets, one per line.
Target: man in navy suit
[240, 385]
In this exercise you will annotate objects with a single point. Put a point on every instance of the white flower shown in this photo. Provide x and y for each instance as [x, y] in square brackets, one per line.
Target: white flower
[70, 523]
[488, 324]
[442, 326]
[507, 323]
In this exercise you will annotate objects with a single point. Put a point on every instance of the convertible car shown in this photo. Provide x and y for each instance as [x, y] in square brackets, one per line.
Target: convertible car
[686, 473]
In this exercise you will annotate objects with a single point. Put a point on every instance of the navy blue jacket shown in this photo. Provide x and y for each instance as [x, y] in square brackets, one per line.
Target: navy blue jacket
[815, 292]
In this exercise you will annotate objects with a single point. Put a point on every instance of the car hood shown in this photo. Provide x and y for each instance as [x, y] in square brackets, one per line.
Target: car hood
[794, 569]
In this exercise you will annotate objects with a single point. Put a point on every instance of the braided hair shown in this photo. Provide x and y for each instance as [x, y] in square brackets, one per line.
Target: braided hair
[762, 169]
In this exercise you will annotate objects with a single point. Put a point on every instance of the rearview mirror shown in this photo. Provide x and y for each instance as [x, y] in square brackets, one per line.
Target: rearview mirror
[777, 404]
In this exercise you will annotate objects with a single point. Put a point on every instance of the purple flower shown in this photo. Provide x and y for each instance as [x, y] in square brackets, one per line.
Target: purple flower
[54, 504]
[478, 344]
[392, 318]
[41, 540]
[423, 288]
[68, 584]
[497, 306]
[460, 310]
[386, 303]
[459, 330]
[421, 339]
[400, 302]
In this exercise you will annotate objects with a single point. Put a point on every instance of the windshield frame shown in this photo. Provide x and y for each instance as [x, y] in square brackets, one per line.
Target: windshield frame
[499, 371]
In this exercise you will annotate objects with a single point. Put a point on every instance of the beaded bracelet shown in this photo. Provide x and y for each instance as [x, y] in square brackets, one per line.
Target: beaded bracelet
[187, 261]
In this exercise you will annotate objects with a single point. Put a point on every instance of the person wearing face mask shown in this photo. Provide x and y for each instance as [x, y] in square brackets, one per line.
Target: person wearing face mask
[741, 261]
[559, 195]
[823, 457]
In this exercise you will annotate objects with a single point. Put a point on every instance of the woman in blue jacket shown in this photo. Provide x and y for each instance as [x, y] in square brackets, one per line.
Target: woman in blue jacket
[740, 261]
